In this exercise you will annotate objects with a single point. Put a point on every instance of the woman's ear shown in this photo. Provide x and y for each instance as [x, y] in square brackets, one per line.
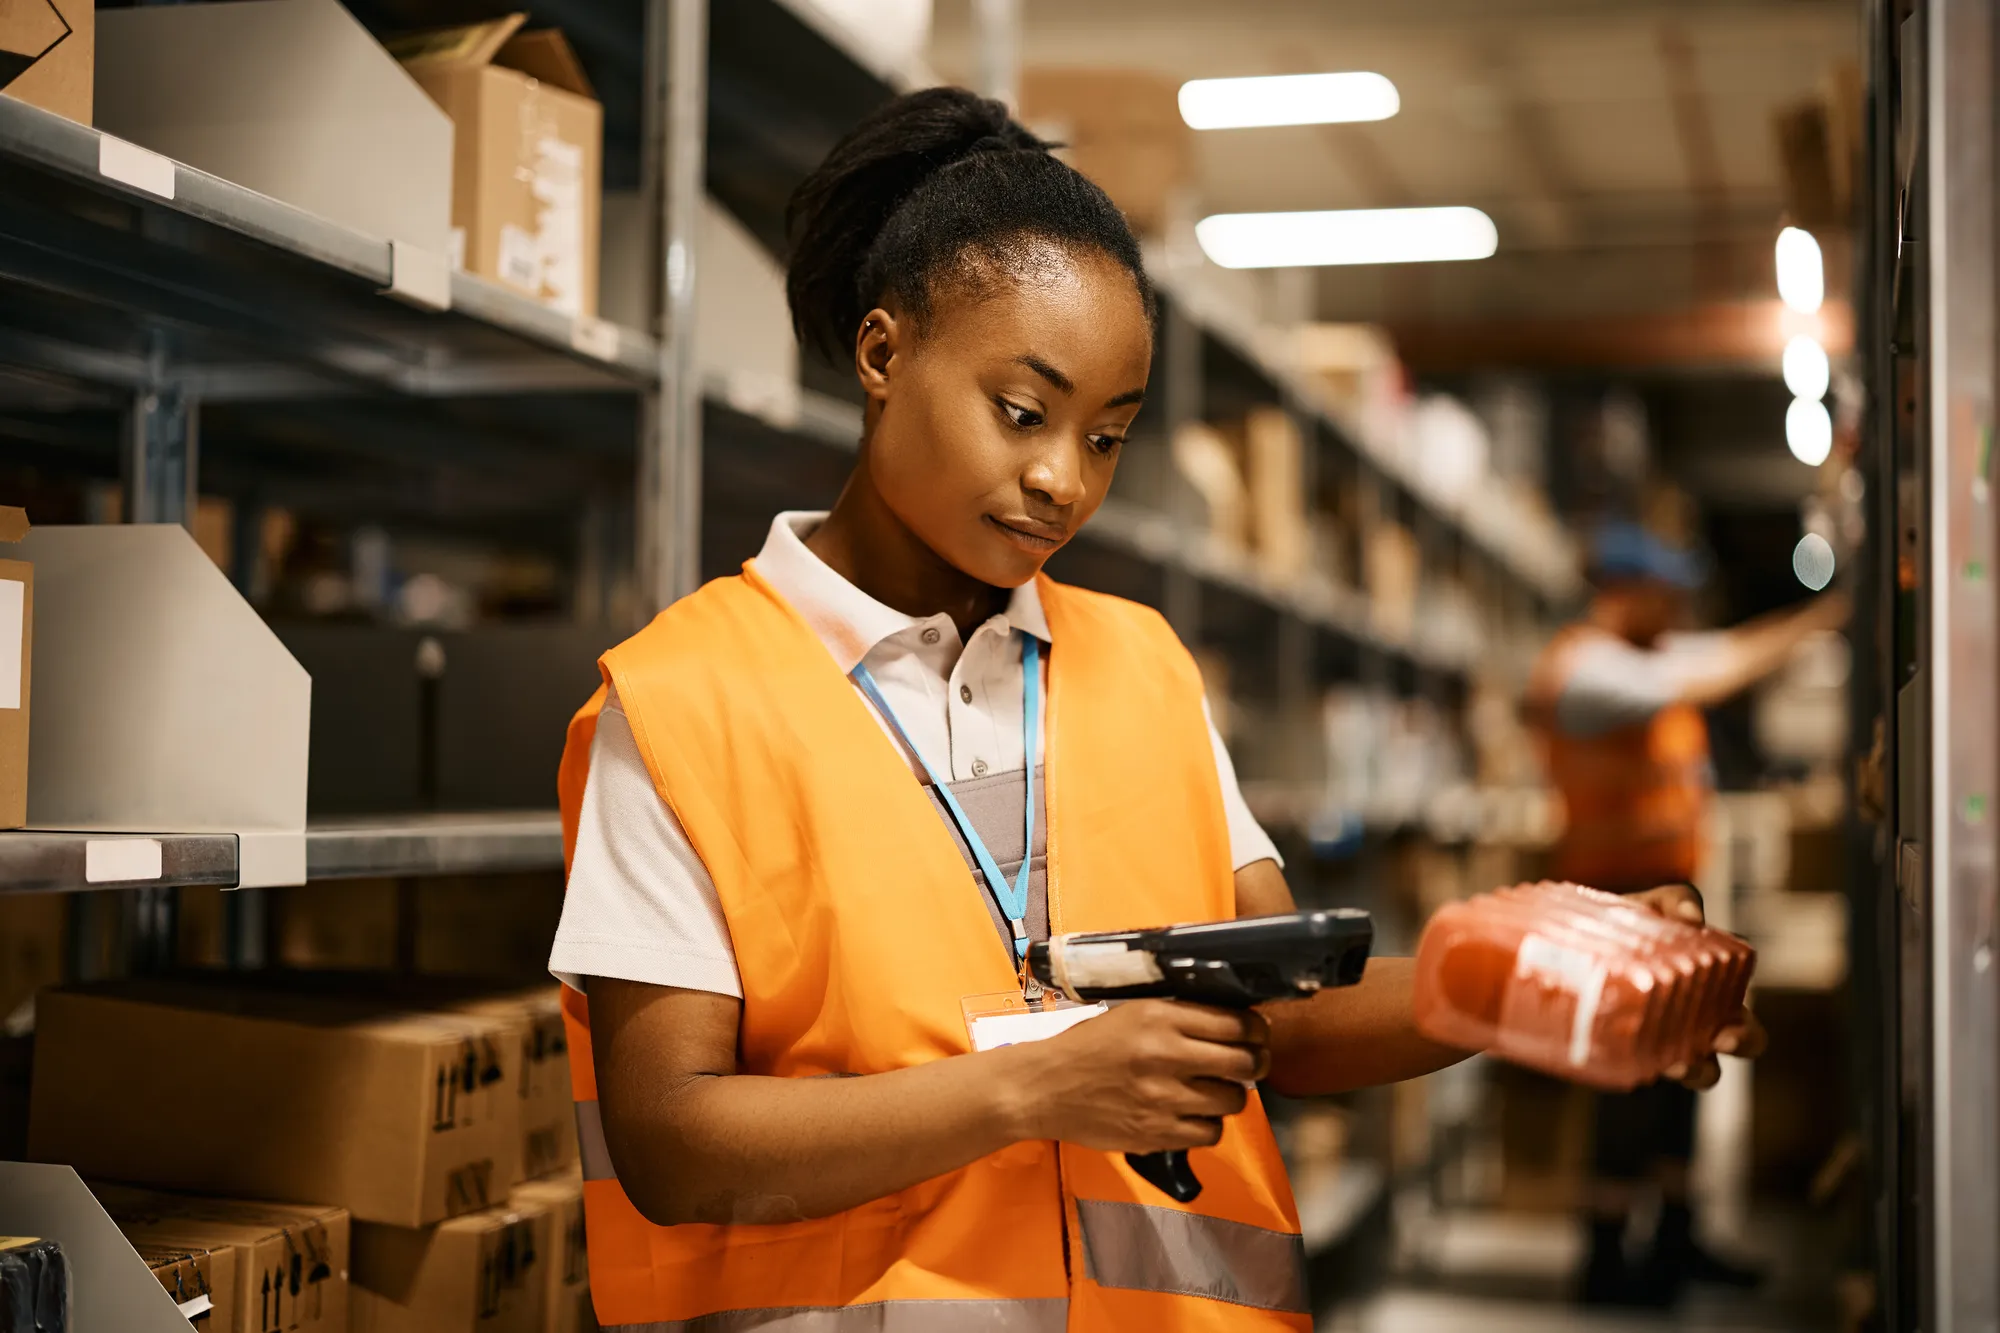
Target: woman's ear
[876, 348]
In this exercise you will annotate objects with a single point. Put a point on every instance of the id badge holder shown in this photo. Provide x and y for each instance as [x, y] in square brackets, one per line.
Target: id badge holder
[1008, 1018]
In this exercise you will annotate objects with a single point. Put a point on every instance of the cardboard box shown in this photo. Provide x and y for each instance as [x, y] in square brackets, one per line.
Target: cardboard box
[570, 1310]
[1274, 474]
[291, 98]
[17, 643]
[528, 161]
[202, 1282]
[1120, 127]
[289, 1261]
[48, 54]
[548, 1109]
[481, 1273]
[34, 938]
[246, 1091]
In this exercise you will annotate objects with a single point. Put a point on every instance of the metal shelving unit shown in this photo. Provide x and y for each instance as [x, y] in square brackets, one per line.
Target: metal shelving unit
[160, 291]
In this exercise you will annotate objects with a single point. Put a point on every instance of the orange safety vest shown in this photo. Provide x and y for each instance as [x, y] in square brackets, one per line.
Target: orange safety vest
[1634, 798]
[858, 931]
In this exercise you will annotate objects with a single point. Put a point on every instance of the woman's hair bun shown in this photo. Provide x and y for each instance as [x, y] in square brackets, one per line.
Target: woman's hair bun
[909, 190]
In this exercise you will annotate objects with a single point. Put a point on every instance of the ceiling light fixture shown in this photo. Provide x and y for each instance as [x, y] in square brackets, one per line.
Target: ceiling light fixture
[1812, 561]
[1809, 431]
[1801, 274]
[1807, 372]
[1347, 236]
[1287, 99]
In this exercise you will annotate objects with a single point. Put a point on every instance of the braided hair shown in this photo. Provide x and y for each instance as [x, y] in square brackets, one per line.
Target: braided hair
[936, 186]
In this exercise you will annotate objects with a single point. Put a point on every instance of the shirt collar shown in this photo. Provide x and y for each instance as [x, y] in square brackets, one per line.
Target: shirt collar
[847, 620]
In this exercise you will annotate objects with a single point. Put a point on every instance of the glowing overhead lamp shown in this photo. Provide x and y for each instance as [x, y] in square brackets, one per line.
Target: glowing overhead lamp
[1801, 272]
[1287, 99]
[1807, 371]
[1346, 236]
[1812, 561]
[1809, 431]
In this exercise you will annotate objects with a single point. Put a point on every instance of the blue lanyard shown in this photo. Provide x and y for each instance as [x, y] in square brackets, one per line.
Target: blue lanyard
[1013, 898]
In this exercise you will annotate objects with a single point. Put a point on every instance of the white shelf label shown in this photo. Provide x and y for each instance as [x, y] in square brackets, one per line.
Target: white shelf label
[594, 337]
[120, 860]
[419, 276]
[13, 623]
[140, 168]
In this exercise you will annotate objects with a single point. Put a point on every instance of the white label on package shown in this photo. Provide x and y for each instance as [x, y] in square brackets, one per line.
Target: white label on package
[520, 259]
[197, 1307]
[121, 860]
[13, 639]
[140, 168]
[1577, 973]
[991, 1031]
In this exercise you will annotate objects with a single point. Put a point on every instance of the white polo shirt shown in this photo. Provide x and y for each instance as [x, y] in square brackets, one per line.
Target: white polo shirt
[641, 905]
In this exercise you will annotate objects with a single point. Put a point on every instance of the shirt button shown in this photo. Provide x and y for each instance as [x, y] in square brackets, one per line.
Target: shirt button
[931, 635]
[979, 768]
[965, 694]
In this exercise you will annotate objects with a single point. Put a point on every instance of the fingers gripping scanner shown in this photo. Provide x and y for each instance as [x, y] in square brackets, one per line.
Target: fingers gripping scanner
[1228, 964]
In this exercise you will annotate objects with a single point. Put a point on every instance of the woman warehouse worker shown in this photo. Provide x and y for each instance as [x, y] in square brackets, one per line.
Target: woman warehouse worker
[819, 807]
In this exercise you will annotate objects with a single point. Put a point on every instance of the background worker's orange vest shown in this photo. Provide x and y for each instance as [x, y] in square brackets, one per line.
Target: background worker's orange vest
[858, 931]
[1635, 798]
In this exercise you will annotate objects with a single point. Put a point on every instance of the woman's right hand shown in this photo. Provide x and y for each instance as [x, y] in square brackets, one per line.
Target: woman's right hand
[1147, 1076]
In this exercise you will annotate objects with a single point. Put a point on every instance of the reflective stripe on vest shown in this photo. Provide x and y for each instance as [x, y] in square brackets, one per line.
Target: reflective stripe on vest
[1143, 1248]
[590, 1149]
[1044, 1316]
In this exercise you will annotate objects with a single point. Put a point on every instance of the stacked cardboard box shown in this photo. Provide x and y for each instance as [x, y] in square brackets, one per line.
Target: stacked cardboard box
[50, 55]
[485, 1272]
[399, 1117]
[201, 1282]
[568, 1268]
[272, 1266]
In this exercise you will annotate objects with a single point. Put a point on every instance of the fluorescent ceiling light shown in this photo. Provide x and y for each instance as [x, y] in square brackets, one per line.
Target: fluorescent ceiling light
[1287, 99]
[1809, 431]
[1807, 373]
[1801, 275]
[1348, 236]
[1812, 561]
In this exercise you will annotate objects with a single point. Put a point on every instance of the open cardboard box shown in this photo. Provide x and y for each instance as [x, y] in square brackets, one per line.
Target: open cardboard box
[527, 163]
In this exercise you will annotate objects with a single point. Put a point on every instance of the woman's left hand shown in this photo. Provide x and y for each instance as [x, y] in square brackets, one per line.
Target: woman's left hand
[1744, 1036]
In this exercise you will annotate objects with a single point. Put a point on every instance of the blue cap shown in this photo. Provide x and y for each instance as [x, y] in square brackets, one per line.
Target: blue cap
[1622, 550]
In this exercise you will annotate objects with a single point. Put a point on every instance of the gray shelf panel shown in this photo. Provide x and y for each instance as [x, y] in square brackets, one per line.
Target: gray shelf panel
[433, 844]
[43, 861]
[491, 340]
[39, 861]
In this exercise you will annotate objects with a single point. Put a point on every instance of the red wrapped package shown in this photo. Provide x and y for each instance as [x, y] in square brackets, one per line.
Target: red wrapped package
[1577, 983]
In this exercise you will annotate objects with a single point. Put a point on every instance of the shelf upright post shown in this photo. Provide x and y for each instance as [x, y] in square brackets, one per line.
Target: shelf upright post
[996, 25]
[672, 184]
[1179, 357]
[159, 464]
[1963, 651]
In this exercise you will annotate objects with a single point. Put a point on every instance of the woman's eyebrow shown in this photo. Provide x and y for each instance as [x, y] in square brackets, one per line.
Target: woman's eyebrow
[1046, 371]
[1067, 385]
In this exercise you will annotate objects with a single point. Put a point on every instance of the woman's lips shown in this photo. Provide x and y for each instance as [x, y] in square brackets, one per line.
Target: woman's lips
[1030, 535]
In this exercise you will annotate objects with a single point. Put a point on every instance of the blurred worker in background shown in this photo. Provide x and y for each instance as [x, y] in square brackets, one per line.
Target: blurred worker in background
[1618, 700]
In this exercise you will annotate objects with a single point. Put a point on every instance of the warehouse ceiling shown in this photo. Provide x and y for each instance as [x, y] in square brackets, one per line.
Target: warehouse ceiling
[1625, 149]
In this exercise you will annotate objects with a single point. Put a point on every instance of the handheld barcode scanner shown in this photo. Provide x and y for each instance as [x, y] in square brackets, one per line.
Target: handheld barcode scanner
[1229, 964]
